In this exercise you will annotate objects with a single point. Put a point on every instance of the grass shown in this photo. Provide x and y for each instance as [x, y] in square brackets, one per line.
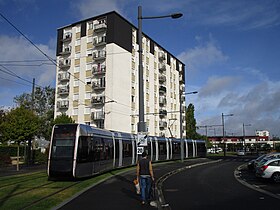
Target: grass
[19, 191]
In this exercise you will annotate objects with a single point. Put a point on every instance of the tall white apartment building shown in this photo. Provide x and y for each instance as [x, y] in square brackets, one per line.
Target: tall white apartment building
[97, 77]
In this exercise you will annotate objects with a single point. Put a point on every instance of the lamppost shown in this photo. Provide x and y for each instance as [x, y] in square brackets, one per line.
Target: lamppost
[244, 135]
[223, 124]
[181, 123]
[142, 123]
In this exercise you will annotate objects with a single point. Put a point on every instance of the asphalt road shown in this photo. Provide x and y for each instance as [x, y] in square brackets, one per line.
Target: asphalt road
[213, 186]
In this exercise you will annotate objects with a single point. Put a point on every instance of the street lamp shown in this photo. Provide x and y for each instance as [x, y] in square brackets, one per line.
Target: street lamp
[223, 124]
[181, 123]
[142, 123]
[244, 135]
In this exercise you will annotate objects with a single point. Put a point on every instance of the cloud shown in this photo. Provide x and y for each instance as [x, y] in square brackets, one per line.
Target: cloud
[242, 14]
[91, 8]
[17, 49]
[203, 55]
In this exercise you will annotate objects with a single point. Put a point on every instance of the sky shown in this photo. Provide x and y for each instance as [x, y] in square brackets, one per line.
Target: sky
[231, 50]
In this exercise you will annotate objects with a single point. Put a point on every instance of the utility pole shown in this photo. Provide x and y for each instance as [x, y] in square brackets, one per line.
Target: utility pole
[29, 151]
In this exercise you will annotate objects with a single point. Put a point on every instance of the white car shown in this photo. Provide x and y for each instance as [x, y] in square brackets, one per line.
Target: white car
[270, 169]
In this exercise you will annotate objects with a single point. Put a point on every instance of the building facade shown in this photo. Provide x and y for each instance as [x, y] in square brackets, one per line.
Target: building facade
[97, 77]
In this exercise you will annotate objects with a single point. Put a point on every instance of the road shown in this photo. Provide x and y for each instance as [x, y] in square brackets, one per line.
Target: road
[213, 186]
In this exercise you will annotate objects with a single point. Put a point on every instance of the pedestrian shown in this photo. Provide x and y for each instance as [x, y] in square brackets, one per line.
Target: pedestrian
[145, 176]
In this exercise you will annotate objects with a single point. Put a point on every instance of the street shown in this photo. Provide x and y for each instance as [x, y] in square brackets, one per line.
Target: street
[213, 186]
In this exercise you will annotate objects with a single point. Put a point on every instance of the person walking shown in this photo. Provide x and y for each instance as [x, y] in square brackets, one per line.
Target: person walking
[145, 176]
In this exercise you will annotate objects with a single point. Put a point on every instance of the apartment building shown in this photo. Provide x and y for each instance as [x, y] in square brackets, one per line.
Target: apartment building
[97, 77]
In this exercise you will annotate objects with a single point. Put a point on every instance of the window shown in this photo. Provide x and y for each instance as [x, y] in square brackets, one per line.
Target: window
[75, 111]
[87, 111]
[76, 97]
[77, 42]
[77, 69]
[76, 83]
[88, 96]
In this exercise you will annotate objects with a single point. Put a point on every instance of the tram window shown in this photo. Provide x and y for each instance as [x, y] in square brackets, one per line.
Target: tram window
[127, 149]
[162, 148]
[63, 148]
[84, 149]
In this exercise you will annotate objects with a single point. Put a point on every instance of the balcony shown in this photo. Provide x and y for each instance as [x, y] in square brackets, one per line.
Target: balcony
[97, 100]
[161, 56]
[99, 115]
[63, 77]
[162, 79]
[63, 90]
[99, 41]
[162, 67]
[66, 51]
[162, 125]
[162, 100]
[162, 89]
[97, 70]
[99, 55]
[64, 104]
[64, 63]
[162, 113]
[100, 27]
[98, 86]
[67, 37]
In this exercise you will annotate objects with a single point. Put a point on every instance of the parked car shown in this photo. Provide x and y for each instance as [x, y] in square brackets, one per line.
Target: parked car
[265, 158]
[251, 163]
[240, 152]
[270, 170]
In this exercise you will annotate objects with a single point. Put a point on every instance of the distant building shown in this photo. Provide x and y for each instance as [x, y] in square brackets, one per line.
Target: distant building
[262, 133]
[97, 77]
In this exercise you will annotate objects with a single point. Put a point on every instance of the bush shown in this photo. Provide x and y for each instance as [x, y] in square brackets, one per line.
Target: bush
[39, 157]
[11, 150]
[5, 160]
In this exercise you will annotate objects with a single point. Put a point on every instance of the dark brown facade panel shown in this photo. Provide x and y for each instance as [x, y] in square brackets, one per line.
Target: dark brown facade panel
[168, 59]
[59, 41]
[83, 29]
[119, 32]
[152, 47]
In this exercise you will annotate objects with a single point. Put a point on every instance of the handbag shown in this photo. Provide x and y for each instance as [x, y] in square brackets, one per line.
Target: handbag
[137, 186]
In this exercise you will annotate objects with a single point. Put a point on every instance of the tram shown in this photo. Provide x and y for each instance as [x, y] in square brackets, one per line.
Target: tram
[78, 150]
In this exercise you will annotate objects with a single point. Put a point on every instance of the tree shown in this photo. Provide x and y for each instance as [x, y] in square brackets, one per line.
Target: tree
[43, 106]
[63, 119]
[190, 123]
[20, 125]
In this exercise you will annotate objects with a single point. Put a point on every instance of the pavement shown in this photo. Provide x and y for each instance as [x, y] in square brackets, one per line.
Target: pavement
[119, 191]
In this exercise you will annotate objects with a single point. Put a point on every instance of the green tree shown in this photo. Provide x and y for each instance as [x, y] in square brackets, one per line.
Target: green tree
[20, 125]
[190, 123]
[63, 119]
[43, 106]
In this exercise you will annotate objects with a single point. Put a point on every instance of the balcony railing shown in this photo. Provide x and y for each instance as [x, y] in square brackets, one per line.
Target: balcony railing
[97, 100]
[99, 115]
[67, 37]
[162, 67]
[64, 104]
[99, 41]
[66, 51]
[162, 89]
[162, 113]
[162, 101]
[65, 63]
[96, 70]
[99, 55]
[100, 27]
[162, 124]
[63, 90]
[98, 86]
[63, 77]
[162, 79]
[161, 56]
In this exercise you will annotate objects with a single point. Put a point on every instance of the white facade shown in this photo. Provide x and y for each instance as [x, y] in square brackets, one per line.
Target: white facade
[97, 82]
[262, 133]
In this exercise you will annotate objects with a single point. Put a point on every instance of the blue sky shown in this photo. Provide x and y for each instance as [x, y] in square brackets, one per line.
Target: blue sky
[231, 49]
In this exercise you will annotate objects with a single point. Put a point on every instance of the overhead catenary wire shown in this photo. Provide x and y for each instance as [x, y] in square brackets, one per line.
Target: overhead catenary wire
[53, 61]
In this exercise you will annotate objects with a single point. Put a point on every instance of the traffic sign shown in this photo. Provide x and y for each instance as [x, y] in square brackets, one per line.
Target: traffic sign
[142, 139]
[140, 150]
